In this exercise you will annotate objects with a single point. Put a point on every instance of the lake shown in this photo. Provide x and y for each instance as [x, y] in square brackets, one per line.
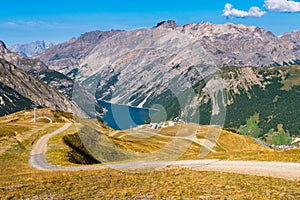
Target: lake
[120, 117]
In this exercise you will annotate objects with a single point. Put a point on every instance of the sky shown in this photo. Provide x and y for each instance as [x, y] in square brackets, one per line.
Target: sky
[59, 20]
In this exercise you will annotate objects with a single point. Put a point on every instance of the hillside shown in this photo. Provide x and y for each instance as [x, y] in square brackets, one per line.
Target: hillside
[38, 69]
[19, 181]
[67, 57]
[18, 129]
[31, 88]
[11, 101]
[261, 102]
[294, 38]
[170, 143]
[22, 62]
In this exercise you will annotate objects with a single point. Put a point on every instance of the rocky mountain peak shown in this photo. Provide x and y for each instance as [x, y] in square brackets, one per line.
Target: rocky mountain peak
[2, 45]
[19, 61]
[31, 49]
[294, 39]
[67, 56]
[167, 24]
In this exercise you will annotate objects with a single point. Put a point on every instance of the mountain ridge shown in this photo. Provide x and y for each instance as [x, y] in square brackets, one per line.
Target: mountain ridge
[32, 88]
[30, 49]
[66, 56]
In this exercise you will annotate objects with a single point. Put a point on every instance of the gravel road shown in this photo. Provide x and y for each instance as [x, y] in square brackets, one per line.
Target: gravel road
[285, 170]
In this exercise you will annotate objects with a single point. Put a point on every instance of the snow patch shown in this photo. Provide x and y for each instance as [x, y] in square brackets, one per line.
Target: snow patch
[11, 101]
[2, 101]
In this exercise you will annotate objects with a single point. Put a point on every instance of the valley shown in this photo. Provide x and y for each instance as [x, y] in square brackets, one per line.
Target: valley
[194, 111]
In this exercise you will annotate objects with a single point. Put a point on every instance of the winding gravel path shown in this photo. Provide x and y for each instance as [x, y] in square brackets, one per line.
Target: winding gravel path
[285, 170]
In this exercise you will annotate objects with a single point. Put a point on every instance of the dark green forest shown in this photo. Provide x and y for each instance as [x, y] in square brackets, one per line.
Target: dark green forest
[273, 104]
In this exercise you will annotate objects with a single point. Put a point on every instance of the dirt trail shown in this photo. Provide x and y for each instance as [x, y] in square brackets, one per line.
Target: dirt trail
[285, 170]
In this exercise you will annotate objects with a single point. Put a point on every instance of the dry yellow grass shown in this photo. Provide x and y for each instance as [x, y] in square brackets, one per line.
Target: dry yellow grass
[19, 181]
[293, 79]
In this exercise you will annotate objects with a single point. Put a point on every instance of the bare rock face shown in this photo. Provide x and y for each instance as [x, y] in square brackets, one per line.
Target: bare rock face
[68, 56]
[18, 60]
[135, 67]
[167, 24]
[31, 49]
[294, 39]
[38, 69]
[240, 45]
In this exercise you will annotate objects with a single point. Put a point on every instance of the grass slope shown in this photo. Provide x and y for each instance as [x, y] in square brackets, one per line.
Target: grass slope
[19, 181]
[111, 145]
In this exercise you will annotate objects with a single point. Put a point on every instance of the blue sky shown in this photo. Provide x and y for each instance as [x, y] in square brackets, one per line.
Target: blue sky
[58, 21]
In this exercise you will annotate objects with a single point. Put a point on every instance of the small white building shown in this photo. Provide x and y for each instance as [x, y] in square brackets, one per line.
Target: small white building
[171, 123]
[296, 142]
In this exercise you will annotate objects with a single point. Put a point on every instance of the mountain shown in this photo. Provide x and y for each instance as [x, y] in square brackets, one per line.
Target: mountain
[226, 44]
[294, 38]
[67, 56]
[31, 49]
[18, 60]
[183, 68]
[11, 101]
[38, 69]
[135, 67]
[190, 65]
[165, 51]
[32, 88]
[261, 102]
[240, 45]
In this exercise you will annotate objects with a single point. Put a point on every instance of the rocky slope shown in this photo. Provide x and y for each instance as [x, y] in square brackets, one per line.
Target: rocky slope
[294, 38]
[67, 56]
[11, 101]
[23, 63]
[240, 45]
[32, 88]
[31, 49]
[135, 67]
[38, 69]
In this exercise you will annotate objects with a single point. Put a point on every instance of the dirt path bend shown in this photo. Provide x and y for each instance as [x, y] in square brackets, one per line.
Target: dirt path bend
[37, 155]
[285, 170]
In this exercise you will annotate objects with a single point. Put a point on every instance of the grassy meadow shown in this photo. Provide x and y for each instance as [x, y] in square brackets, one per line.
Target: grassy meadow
[19, 181]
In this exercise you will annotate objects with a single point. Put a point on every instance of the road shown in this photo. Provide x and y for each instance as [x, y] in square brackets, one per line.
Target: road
[37, 155]
[285, 170]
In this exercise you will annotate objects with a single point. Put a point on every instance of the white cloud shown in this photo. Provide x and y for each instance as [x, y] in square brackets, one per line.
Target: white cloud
[229, 11]
[24, 23]
[10, 23]
[282, 5]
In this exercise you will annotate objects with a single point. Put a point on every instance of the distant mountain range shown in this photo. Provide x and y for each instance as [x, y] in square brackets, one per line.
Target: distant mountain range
[157, 65]
[67, 56]
[226, 44]
[31, 49]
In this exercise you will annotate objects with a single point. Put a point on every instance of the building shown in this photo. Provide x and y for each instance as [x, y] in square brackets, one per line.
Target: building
[296, 142]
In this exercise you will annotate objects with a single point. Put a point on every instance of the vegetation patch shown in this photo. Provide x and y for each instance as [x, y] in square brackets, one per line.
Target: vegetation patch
[251, 128]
